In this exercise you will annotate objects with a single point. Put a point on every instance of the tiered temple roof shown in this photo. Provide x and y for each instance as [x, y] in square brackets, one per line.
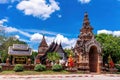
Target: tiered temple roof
[43, 42]
[54, 47]
[19, 50]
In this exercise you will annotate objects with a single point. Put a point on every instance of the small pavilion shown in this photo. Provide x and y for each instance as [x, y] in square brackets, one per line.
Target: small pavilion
[20, 53]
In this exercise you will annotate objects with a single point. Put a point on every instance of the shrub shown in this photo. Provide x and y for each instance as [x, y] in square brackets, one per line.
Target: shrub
[0, 68]
[118, 67]
[57, 67]
[18, 68]
[40, 67]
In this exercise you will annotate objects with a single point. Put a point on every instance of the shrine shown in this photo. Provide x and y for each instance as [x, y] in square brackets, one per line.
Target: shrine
[20, 53]
[87, 50]
[44, 49]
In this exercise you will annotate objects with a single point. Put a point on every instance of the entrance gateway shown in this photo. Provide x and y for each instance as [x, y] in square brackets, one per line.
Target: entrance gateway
[87, 50]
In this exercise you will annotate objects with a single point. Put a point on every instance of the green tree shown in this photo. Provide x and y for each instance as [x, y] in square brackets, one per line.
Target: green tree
[53, 56]
[110, 46]
[69, 52]
[33, 56]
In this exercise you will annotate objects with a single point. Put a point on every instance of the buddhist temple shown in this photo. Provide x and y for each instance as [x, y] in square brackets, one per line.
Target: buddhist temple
[20, 53]
[43, 50]
[87, 50]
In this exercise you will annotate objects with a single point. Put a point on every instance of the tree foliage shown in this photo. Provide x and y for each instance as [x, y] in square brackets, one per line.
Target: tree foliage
[33, 56]
[53, 56]
[110, 46]
[69, 52]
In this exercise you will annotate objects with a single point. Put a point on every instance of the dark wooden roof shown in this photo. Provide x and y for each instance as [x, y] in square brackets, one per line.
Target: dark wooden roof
[54, 47]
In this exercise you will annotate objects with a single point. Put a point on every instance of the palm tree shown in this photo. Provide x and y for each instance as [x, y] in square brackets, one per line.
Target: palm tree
[53, 56]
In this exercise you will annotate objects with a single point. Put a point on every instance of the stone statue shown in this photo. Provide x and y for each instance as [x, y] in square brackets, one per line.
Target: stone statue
[7, 61]
[29, 61]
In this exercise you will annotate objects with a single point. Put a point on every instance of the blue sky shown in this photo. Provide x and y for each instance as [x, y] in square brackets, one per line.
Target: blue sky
[58, 20]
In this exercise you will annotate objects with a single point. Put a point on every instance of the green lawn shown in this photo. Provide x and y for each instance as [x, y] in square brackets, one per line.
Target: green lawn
[36, 73]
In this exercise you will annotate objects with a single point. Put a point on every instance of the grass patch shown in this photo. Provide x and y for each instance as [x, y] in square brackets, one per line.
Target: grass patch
[50, 72]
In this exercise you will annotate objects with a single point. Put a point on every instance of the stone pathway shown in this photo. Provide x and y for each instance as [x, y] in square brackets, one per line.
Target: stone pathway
[62, 77]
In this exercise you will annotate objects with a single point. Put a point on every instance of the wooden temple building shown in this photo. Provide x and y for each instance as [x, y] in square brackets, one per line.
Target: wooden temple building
[87, 50]
[20, 53]
[44, 49]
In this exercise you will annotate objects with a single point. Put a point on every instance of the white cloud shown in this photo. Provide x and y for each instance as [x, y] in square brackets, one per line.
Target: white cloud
[12, 29]
[60, 38]
[17, 36]
[115, 33]
[2, 21]
[41, 31]
[4, 1]
[84, 1]
[38, 8]
[36, 37]
[59, 15]
[10, 6]
[15, 1]
[35, 50]
[66, 42]
[24, 33]
[104, 31]
[8, 1]
[9, 29]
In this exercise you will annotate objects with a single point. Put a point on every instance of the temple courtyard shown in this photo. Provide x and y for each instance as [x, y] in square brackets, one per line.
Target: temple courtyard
[62, 77]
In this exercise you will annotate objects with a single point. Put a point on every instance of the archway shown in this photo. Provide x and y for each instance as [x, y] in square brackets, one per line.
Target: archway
[93, 59]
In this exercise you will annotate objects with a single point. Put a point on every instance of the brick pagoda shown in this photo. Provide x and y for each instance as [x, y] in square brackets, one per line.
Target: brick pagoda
[87, 50]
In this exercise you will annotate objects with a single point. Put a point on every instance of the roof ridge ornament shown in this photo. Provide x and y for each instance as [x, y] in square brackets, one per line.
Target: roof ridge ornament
[86, 20]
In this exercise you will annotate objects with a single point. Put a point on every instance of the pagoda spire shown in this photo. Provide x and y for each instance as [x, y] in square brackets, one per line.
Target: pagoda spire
[43, 42]
[86, 22]
[86, 19]
[86, 31]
